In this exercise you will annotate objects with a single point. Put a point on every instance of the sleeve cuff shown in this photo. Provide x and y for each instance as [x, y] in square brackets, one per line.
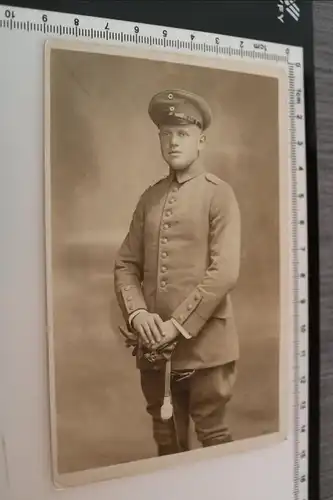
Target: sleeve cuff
[132, 298]
[186, 315]
[194, 324]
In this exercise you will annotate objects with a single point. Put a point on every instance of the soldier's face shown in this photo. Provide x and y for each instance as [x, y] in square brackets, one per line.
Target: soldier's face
[181, 144]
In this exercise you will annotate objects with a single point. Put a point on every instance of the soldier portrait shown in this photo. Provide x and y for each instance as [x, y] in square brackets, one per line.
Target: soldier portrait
[168, 279]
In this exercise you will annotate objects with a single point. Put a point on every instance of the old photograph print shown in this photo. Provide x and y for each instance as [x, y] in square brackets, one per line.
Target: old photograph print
[164, 256]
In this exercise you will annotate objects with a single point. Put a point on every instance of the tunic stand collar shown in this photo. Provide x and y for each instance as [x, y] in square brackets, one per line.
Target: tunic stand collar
[186, 175]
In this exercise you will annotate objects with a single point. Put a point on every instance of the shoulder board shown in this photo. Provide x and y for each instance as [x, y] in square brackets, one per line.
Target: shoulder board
[213, 178]
[158, 182]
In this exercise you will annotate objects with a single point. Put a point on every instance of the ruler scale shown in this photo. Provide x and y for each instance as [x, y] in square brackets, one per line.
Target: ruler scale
[69, 26]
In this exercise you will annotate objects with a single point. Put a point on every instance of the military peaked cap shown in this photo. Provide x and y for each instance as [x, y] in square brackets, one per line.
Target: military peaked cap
[179, 107]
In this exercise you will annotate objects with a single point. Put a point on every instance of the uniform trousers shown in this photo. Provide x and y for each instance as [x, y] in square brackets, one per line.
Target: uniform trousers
[202, 396]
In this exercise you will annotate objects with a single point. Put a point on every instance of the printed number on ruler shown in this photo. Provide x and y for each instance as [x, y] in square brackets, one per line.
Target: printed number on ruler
[88, 28]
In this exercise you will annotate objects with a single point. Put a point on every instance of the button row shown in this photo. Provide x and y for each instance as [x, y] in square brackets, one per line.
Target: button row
[190, 306]
[164, 239]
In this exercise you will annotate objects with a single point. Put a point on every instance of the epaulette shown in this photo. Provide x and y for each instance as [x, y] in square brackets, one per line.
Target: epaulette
[158, 182]
[213, 178]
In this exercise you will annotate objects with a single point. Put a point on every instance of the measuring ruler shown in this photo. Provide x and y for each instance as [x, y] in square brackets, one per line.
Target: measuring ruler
[48, 25]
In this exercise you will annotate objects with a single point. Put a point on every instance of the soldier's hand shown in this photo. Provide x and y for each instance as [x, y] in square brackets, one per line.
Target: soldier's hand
[149, 326]
[170, 334]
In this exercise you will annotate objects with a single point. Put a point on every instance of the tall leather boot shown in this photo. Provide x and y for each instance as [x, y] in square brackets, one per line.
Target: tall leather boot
[167, 449]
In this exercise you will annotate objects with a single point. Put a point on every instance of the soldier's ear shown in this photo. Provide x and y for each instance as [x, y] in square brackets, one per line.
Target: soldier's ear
[202, 141]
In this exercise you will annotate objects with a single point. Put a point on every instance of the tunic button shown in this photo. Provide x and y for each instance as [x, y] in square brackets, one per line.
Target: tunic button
[166, 226]
[197, 297]
[131, 307]
[126, 288]
[164, 240]
[181, 317]
[164, 254]
[164, 269]
[174, 190]
[129, 299]
[168, 213]
[189, 307]
[172, 200]
[163, 283]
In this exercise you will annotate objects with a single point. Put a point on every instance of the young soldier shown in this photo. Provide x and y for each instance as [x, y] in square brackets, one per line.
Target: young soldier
[173, 276]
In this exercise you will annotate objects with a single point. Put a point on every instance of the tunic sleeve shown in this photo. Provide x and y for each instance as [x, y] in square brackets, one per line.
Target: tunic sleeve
[223, 270]
[128, 267]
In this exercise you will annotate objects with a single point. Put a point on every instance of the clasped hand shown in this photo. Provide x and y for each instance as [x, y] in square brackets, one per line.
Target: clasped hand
[153, 331]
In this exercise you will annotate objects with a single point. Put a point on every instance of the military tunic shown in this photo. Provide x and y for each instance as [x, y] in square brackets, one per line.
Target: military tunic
[181, 259]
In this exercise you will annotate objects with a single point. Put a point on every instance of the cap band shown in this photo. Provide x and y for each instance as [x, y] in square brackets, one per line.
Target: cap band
[179, 119]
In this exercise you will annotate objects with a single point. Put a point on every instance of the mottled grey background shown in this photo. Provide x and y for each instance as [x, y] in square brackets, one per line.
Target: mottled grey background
[323, 17]
[104, 153]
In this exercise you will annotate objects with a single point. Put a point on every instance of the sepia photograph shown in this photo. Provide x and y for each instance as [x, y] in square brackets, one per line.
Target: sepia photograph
[168, 274]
